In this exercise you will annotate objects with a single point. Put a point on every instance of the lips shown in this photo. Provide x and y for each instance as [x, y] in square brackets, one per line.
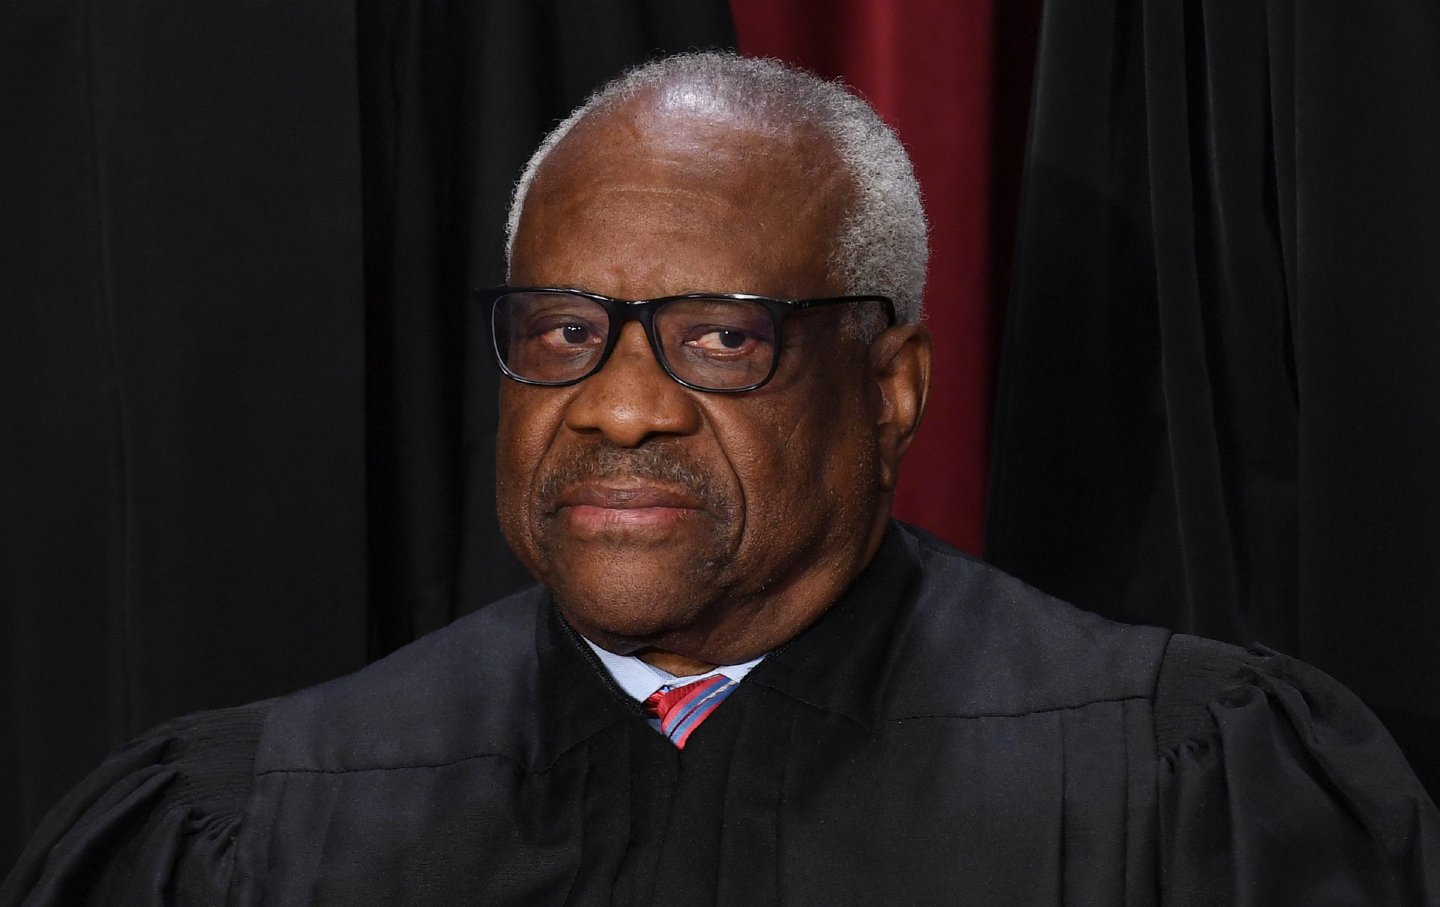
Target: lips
[609, 507]
[613, 496]
[646, 495]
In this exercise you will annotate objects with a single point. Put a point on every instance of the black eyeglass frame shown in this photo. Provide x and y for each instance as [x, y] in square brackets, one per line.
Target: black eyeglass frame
[623, 311]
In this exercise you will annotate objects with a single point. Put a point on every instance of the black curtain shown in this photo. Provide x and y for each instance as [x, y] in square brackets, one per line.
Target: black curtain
[245, 443]
[1219, 403]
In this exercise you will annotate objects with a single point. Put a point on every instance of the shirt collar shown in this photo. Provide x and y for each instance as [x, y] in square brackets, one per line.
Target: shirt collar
[639, 679]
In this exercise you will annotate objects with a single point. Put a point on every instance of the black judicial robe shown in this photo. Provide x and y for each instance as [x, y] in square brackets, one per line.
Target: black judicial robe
[943, 735]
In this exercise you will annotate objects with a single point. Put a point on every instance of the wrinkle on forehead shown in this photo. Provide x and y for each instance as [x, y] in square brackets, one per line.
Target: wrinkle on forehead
[688, 202]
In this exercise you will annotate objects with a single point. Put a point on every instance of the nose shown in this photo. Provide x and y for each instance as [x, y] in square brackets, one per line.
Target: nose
[632, 399]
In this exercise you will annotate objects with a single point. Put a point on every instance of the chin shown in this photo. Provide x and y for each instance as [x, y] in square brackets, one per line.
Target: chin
[638, 576]
[625, 622]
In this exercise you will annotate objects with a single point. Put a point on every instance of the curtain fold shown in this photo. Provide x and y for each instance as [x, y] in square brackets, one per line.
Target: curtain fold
[181, 410]
[1219, 390]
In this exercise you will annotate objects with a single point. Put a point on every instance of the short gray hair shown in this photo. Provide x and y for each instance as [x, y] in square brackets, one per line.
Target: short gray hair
[881, 247]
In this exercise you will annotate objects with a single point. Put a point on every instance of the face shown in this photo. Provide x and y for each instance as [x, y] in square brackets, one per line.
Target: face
[708, 526]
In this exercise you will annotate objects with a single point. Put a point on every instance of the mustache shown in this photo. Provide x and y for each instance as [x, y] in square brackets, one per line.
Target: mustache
[656, 463]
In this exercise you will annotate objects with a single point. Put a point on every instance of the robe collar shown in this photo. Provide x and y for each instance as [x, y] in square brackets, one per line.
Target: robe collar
[840, 664]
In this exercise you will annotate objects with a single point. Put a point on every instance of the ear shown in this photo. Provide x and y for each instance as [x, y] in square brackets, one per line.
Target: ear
[900, 367]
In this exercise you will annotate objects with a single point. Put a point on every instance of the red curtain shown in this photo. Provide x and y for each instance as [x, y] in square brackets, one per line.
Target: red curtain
[952, 78]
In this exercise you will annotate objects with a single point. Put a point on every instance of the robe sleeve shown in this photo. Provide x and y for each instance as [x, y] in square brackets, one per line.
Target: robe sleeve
[1277, 786]
[155, 824]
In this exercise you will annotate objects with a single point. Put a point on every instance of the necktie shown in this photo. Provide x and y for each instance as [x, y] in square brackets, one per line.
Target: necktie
[682, 709]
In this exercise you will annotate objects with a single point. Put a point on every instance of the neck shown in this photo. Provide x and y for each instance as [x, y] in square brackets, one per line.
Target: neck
[671, 663]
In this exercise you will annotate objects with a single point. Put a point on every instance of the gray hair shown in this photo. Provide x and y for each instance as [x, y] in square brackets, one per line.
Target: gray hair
[880, 246]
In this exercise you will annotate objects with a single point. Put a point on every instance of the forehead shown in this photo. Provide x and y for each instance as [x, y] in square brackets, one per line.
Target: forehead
[645, 201]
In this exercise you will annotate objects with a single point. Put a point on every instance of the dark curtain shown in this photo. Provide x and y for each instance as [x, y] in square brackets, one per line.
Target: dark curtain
[245, 443]
[1219, 401]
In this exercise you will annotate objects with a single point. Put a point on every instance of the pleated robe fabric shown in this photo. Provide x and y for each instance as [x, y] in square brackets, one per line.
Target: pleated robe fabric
[942, 735]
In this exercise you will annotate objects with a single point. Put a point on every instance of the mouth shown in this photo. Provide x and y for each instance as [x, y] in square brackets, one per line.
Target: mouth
[608, 507]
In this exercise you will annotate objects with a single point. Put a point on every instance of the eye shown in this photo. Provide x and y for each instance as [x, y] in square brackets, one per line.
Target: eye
[559, 332]
[722, 339]
[573, 333]
[720, 333]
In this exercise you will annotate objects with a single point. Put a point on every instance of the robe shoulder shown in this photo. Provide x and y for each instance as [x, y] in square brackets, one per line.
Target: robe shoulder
[158, 821]
[1277, 785]
[450, 695]
[1274, 784]
[155, 823]
[978, 642]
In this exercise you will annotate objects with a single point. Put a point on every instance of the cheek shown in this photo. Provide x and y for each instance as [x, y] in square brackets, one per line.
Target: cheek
[526, 429]
[804, 470]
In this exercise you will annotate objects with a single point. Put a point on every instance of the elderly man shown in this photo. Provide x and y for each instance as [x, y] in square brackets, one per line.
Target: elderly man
[740, 682]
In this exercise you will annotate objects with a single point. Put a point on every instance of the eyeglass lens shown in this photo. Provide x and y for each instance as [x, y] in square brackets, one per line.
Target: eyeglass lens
[718, 344]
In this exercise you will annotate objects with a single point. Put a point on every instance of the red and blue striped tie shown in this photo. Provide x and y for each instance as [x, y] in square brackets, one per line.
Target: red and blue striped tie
[682, 709]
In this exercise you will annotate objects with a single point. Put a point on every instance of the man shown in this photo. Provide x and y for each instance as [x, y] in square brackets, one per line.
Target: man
[739, 682]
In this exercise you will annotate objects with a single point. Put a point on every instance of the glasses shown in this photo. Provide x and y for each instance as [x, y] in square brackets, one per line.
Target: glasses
[720, 342]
